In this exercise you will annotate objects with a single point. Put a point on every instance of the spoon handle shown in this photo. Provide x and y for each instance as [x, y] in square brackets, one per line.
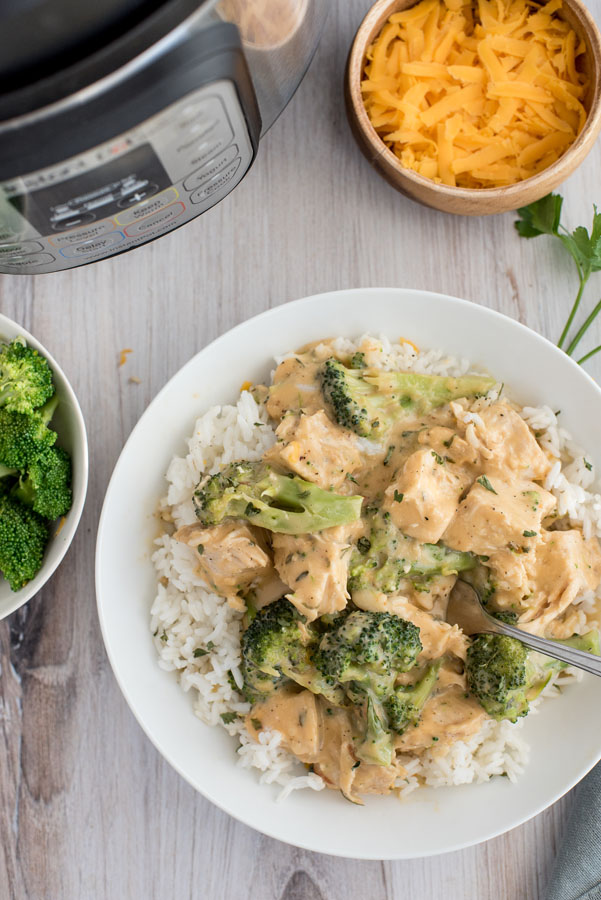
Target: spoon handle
[570, 655]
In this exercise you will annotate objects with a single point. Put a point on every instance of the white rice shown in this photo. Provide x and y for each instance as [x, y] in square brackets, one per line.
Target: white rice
[187, 617]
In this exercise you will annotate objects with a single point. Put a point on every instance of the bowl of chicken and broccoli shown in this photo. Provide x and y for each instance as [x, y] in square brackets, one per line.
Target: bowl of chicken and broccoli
[43, 465]
[310, 531]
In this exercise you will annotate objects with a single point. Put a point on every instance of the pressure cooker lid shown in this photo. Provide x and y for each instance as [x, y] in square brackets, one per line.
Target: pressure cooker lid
[41, 37]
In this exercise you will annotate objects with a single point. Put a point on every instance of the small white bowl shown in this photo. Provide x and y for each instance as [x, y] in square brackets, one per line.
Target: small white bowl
[565, 737]
[69, 424]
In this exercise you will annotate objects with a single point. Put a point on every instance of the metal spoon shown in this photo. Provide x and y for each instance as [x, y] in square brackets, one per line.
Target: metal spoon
[466, 611]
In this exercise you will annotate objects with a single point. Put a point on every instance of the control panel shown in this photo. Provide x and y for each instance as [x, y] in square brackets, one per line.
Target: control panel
[132, 189]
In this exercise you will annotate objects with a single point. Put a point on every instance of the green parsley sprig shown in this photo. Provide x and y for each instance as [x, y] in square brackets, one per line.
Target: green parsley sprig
[544, 217]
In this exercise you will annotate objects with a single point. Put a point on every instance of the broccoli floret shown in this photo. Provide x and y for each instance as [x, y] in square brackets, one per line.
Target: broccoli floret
[404, 706]
[371, 402]
[47, 485]
[379, 562]
[282, 503]
[367, 650]
[23, 437]
[505, 676]
[25, 378]
[363, 654]
[23, 539]
[277, 647]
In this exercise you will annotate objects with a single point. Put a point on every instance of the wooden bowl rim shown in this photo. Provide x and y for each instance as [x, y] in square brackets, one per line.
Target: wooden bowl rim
[557, 171]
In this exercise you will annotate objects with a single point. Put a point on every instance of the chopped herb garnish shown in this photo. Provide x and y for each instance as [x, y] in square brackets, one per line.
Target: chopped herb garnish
[357, 764]
[302, 575]
[164, 637]
[588, 465]
[398, 496]
[438, 458]
[200, 549]
[389, 453]
[364, 545]
[200, 651]
[251, 510]
[210, 645]
[450, 441]
[256, 724]
[434, 738]
[483, 480]
[228, 717]
[351, 478]
[529, 533]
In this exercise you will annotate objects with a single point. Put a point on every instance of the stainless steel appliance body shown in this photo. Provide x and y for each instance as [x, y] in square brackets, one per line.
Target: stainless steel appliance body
[135, 118]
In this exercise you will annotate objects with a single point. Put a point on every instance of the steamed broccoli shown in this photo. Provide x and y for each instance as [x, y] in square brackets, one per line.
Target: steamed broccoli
[380, 561]
[23, 539]
[24, 436]
[505, 676]
[47, 485]
[403, 707]
[25, 377]
[276, 647]
[371, 402]
[366, 651]
[34, 476]
[363, 654]
[283, 503]
[375, 744]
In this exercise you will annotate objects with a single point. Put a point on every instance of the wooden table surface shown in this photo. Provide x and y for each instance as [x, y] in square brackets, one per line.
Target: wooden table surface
[88, 807]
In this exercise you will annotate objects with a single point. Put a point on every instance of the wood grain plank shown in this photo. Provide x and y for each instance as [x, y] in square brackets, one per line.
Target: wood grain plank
[89, 809]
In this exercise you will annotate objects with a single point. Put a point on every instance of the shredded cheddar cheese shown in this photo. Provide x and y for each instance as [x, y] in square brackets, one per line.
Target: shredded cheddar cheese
[246, 386]
[404, 340]
[476, 93]
[123, 356]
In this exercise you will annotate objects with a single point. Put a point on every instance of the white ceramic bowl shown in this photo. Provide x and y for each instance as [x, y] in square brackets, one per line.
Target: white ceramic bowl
[69, 425]
[565, 738]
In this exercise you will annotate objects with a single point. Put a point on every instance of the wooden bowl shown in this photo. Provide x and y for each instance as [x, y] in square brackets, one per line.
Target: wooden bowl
[471, 201]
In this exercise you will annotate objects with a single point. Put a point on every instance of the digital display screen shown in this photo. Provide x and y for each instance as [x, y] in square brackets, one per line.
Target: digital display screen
[95, 194]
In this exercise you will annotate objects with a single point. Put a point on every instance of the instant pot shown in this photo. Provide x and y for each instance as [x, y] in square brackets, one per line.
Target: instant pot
[121, 120]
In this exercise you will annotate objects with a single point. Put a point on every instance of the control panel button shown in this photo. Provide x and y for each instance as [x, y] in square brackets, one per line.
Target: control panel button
[158, 220]
[32, 260]
[211, 167]
[67, 219]
[104, 242]
[22, 248]
[215, 183]
[81, 235]
[147, 207]
[137, 196]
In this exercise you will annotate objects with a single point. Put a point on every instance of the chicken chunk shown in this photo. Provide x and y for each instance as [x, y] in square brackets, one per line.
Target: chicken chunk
[231, 556]
[448, 716]
[294, 715]
[563, 567]
[424, 497]
[315, 568]
[295, 387]
[497, 515]
[507, 444]
[316, 449]
[321, 736]
[447, 442]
